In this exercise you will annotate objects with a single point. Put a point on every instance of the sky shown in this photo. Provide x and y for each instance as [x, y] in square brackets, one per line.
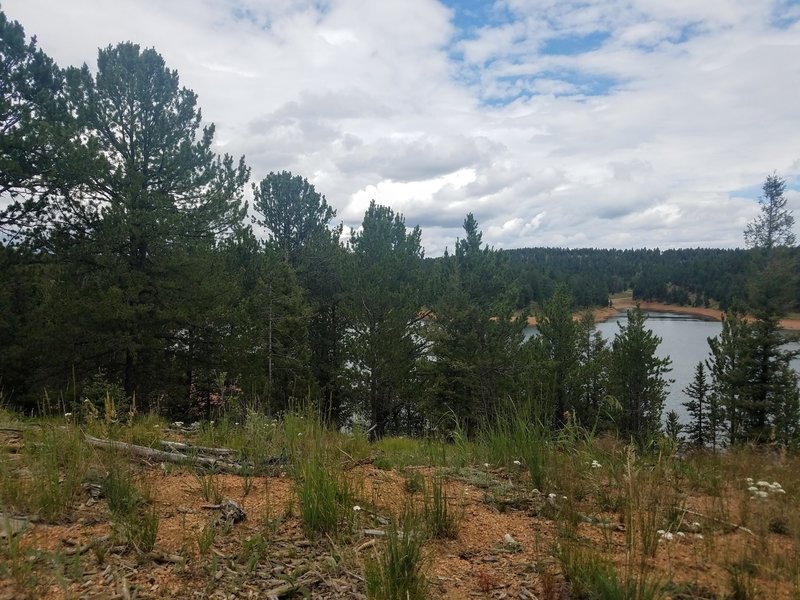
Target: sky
[568, 123]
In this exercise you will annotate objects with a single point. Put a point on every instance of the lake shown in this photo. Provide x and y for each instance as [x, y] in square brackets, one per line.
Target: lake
[684, 340]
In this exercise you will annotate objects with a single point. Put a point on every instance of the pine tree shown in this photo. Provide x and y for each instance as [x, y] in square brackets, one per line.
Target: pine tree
[699, 427]
[637, 379]
[384, 342]
[153, 201]
[673, 427]
[293, 212]
[474, 363]
[555, 357]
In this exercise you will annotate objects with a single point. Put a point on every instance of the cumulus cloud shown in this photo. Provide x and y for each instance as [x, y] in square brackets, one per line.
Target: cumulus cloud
[609, 124]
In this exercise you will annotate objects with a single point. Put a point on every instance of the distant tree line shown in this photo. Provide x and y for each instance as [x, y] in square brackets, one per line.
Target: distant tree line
[131, 270]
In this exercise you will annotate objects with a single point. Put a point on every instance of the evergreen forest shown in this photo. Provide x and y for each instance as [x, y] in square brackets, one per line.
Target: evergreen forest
[133, 273]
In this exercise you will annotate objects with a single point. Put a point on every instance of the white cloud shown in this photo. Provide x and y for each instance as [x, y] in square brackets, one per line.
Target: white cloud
[644, 136]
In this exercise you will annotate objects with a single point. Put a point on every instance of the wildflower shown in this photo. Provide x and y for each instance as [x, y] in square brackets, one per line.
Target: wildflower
[752, 488]
[596, 465]
[516, 462]
[180, 423]
[699, 536]
[776, 485]
[67, 415]
[551, 495]
[748, 480]
[666, 535]
[299, 433]
[762, 483]
[156, 426]
[681, 534]
[486, 465]
[760, 494]
[356, 508]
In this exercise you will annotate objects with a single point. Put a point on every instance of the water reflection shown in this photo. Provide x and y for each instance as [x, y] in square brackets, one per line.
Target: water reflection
[684, 338]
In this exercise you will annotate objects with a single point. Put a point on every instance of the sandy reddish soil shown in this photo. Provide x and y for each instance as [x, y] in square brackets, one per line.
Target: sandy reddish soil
[475, 565]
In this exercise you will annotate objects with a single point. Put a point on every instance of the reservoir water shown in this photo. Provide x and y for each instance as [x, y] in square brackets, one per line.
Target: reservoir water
[684, 339]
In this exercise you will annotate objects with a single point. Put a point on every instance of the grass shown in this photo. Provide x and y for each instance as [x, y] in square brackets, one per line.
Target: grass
[644, 491]
[593, 577]
[47, 476]
[441, 518]
[519, 443]
[325, 494]
[210, 488]
[399, 571]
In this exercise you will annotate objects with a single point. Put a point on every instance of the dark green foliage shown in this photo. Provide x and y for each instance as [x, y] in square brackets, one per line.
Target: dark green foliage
[673, 427]
[555, 358]
[636, 379]
[475, 362]
[384, 342]
[36, 130]
[753, 382]
[293, 212]
[592, 374]
[701, 429]
[773, 227]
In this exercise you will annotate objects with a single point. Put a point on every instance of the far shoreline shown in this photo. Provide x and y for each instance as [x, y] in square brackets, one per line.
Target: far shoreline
[619, 305]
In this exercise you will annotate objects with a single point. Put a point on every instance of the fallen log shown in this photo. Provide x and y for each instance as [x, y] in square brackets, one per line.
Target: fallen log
[181, 447]
[160, 455]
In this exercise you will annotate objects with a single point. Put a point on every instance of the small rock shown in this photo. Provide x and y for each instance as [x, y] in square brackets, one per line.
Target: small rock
[231, 512]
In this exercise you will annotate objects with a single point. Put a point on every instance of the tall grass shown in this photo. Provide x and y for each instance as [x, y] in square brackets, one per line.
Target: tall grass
[131, 505]
[591, 576]
[440, 516]
[326, 496]
[58, 461]
[518, 437]
[399, 572]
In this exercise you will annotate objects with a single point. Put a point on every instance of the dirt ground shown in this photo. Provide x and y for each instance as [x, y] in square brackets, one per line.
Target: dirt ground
[502, 550]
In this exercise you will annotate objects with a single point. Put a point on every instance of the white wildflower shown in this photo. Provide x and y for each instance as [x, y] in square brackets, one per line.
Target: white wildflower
[762, 483]
[775, 484]
[760, 494]
[486, 465]
[67, 415]
[516, 462]
[752, 488]
[699, 536]
[596, 465]
[551, 495]
[681, 534]
[356, 508]
[779, 491]
[748, 480]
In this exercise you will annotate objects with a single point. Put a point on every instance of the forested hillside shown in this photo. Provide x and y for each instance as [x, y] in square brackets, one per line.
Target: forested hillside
[131, 274]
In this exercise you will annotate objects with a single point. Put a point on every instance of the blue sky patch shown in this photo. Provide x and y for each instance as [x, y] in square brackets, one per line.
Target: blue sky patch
[570, 45]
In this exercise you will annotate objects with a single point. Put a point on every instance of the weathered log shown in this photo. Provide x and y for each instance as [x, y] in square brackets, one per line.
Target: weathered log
[181, 447]
[159, 455]
[10, 526]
